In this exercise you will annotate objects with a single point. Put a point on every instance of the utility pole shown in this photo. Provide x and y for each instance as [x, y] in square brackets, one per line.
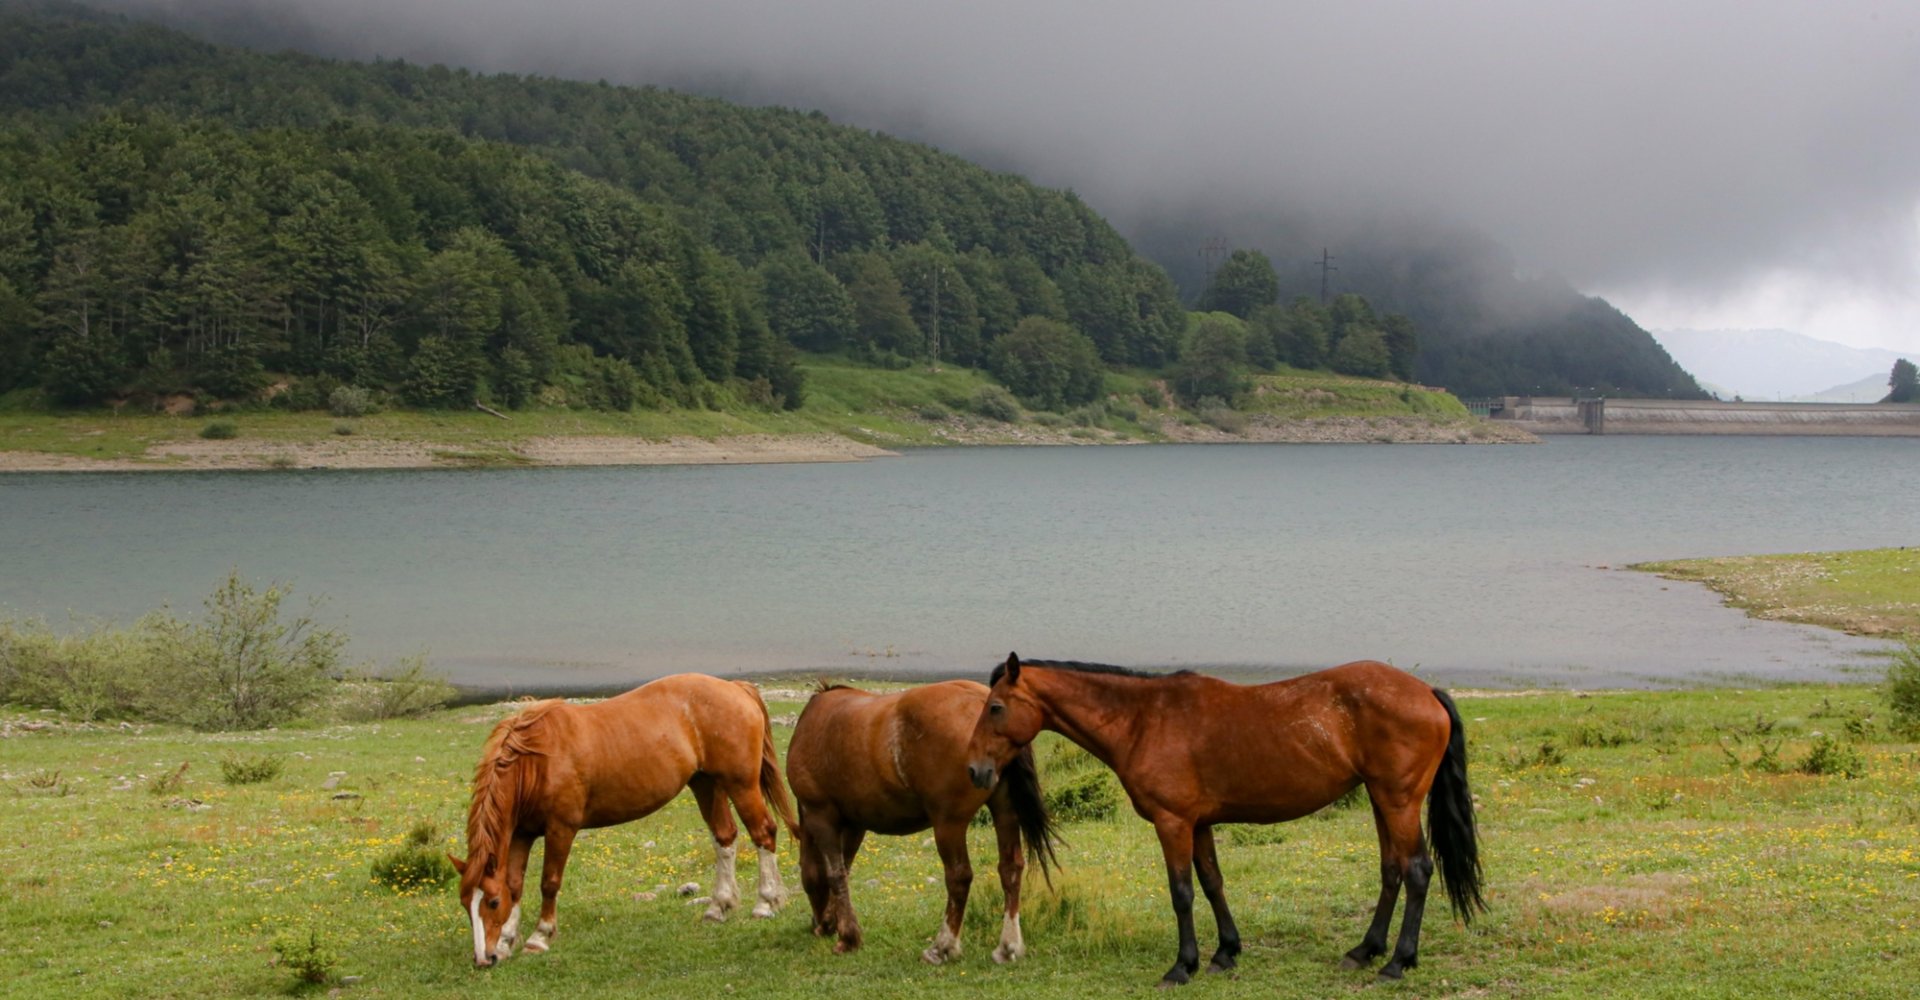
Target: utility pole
[933, 321]
[1211, 253]
[1326, 268]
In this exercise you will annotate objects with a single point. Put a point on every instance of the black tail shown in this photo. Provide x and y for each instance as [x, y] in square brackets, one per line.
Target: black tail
[1450, 825]
[1022, 782]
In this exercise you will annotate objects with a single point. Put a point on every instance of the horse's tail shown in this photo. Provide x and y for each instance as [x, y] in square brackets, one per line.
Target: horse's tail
[1450, 823]
[771, 787]
[1022, 782]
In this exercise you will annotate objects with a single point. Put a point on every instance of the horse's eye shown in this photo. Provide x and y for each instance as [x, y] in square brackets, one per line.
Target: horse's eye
[493, 902]
[996, 709]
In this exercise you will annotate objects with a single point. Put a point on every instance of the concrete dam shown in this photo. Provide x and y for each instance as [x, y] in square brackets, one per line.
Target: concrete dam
[1566, 415]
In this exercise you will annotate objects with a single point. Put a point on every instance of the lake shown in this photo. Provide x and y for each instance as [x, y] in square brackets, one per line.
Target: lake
[1472, 565]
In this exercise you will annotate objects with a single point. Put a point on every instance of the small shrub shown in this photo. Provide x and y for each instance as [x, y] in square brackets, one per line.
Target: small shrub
[169, 783]
[1256, 834]
[45, 782]
[220, 430]
[408, 693]
[236, 769]
[995, 403]
[1048, 419]
[933, 411]
[351, 401]
[1090, 794]
[241, 666]
[310, 961]
[1223, 418]
[344, 430]
[1830, 756]
[417, 864]
[1352, 799]
[1123, 411]
[1545, 755]
[282, 462]
[1903, 691]
[1090, 415]
[1766, 759]
[1153, 397]
[1593, 734]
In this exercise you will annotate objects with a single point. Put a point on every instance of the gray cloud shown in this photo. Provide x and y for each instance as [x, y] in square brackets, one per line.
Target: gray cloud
[1682, 149]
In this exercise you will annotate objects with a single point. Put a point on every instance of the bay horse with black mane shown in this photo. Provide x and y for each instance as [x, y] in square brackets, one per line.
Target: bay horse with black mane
[895, 764]
[1194, 751]
[553, 769]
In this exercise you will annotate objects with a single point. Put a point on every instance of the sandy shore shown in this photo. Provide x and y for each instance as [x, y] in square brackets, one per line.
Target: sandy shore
[363, 453]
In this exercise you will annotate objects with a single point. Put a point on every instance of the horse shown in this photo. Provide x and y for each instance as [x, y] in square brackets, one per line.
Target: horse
[1193, 752]
[893, 764]
[553, 769]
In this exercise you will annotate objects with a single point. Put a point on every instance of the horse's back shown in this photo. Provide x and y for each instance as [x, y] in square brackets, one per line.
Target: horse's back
[873, 757]
[635, 751]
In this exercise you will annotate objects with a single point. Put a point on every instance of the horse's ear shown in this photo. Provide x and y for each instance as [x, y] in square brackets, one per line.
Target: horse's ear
[1013, 668]
[459, 865]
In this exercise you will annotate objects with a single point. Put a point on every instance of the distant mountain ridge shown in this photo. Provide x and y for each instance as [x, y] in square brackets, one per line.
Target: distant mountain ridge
[1781, 364]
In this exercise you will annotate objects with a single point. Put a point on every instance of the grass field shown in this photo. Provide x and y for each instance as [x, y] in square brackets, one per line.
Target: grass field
[1864, 592]
[1636, 844]
[914, 406]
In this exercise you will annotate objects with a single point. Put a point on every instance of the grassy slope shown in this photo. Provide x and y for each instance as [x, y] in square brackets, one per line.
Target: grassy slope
[868, 404]
[1629, 860]
[1864, 592]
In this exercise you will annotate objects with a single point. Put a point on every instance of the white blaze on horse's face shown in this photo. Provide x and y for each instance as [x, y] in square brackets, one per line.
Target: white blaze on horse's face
[488, 919]
[479, 930]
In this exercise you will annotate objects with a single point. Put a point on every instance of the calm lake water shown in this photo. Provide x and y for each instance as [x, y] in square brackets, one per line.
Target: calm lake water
[1482, 565]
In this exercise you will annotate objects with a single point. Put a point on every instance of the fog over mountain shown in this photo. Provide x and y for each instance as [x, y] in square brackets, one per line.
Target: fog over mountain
[1780, 364]
[1694, 162]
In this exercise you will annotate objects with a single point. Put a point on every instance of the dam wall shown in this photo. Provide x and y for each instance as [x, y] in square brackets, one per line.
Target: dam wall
[1566, 415]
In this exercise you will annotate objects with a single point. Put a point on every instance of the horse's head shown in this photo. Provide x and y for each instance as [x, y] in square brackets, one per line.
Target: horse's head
[484, 900]
[1010, 721]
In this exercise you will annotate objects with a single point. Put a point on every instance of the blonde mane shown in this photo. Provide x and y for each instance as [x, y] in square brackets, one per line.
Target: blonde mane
[512, 768]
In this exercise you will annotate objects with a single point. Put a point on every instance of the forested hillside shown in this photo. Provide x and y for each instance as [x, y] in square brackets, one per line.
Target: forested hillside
[177, 216]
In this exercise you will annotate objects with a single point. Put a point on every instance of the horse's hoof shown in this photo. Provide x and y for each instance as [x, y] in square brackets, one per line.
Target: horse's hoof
[1003, 954]
[763, 911]
[1350, 963]
[934, 956]
[534, 946]
[843, 946]
[1215, 968]
[1390, 974]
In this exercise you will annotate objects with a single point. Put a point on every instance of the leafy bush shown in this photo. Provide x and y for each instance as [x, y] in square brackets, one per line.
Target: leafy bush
[241, 666]
[236, 769]
[1830, 756]
[220, 430]
[1224, 418]
[995, 403]
[1090, 794]
[417, 864]
[310, 961]
[169, 782]
[1048, 364]
[1091, 415]
[1048, 419]
[407, 693]
[1903, 690]
[96, 673]
[343, 430]
[933, 411]
[351, 401]
[1153, 397]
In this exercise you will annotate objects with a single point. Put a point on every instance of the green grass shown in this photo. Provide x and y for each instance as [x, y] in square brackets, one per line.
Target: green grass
[1634, 860]
[1864, 592]
[867, 404]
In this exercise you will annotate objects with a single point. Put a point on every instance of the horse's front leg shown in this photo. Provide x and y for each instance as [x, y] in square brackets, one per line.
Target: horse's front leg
[516, 886]
[1176, 843]
[1013, 863]
[1208, 865]
[553, 865]
[951, 839]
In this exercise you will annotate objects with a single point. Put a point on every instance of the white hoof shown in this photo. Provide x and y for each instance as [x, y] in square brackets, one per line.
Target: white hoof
[934, 956]
[1008, 953]
[535, 945]
[714, 915]
[764, 910]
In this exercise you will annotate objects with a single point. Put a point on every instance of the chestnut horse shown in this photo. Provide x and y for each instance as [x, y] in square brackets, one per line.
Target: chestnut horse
[553, 769]
[894, 764]
[1195, 751]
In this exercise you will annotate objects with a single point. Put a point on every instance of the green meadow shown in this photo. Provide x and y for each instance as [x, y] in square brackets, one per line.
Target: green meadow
[1711, 843]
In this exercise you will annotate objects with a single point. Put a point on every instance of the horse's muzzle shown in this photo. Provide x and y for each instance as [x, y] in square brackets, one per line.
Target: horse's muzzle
[490, 961]
[982, 774]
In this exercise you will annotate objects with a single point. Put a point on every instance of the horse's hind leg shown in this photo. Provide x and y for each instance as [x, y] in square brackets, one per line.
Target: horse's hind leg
[1403, 860]
[1392, 873]
[553, 865]
[762, 828]
[824, 834]
[950, 838]
[1207, 865]
[1013, 864]
[713, 809]
[813, 878]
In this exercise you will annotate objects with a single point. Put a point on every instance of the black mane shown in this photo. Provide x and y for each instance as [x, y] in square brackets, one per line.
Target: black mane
[1000, 670]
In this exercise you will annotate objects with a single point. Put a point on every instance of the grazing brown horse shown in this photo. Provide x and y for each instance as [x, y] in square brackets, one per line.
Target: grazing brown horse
[1195, 751]
[894, 764]
[553, 769]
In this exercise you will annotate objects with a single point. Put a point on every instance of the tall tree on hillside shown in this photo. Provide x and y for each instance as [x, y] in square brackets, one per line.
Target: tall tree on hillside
[1403, 348]
[1904, 382]
[806, 306]
[1244, 283]
[881, 319]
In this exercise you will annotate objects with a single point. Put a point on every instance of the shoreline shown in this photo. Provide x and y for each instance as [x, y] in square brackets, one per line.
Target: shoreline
[602, 450]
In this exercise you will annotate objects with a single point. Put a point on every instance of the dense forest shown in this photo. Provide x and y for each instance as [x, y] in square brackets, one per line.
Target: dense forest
[1485, 329]
[177, 216]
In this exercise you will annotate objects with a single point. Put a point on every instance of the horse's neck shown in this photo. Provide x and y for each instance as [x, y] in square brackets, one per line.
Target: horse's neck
[1087, 709]
[497, 815]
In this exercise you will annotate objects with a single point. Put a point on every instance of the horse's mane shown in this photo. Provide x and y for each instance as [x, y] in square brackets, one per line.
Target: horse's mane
[1000, 670]
[511, 767]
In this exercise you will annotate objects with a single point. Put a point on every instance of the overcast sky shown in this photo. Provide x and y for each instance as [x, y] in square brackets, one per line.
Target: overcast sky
[1710, 164]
